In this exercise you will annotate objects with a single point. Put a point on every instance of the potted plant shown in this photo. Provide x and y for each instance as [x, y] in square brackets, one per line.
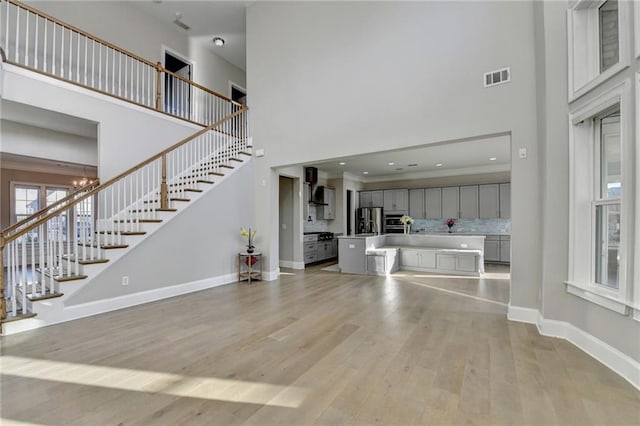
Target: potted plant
[249, 234]
[450, 223]
[406, 221]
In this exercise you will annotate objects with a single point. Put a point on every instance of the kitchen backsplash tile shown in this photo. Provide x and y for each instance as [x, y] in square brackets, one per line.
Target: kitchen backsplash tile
[311, 224]
[481, 226]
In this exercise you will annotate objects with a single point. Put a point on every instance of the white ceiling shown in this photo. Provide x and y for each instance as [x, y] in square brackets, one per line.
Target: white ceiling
[457, 158]
[207, 19]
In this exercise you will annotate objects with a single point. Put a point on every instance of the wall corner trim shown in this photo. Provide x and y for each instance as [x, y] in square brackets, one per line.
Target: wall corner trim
[620, 363]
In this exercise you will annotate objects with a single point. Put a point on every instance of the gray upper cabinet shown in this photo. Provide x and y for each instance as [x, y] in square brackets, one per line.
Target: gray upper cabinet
[371, 199]
[451, 202]
[469, 202]
[328, 212]
[505, 200]
[396, 201]
[489, 204]
[433, 203]
[416, 203]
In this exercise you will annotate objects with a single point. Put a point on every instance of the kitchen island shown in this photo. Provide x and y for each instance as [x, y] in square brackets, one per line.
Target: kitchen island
[384, 254]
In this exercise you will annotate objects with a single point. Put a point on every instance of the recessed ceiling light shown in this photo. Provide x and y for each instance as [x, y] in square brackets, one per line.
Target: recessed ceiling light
[439, 165]
[392, 163]
[218, 41]
[492, 159]
[365, 173]
[342, 163]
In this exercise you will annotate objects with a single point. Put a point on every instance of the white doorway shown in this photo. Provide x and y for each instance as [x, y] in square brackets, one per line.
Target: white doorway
[177, 93]
[237, 93]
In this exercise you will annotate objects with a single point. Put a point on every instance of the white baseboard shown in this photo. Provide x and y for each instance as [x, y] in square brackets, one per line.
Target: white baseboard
[291, 264]
[519, 314]
[620, 363]
[271, 275]
[60, 314]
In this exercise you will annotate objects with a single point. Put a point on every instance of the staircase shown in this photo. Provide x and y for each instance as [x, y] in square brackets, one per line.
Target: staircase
[53, 253]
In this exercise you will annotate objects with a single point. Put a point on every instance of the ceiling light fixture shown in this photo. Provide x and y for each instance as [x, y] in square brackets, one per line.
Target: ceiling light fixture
[365, 173]
[492, 159]
[392, 163]
[439, 165]
[342, 163]
[218, 41]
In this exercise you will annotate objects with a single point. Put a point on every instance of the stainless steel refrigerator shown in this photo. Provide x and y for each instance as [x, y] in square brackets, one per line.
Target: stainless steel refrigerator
[369, 220]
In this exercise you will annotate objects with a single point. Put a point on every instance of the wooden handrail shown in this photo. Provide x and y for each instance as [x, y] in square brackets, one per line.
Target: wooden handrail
[114, 47]
[55, 205]
[201, 87]
[5, 240]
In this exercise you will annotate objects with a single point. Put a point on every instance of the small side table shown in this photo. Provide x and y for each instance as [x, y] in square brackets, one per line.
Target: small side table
[249, 266]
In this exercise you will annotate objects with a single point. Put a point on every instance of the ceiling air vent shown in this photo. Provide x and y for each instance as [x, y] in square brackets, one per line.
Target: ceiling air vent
[496, 77]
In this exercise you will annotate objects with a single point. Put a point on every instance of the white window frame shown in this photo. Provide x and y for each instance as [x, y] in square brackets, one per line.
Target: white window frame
[584, 48]
[636, 263]
[582, 182]
[636, 27]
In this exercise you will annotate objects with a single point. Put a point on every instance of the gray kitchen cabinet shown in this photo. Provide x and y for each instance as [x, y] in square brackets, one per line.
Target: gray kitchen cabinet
[489, 201]
[451, 202]
[396, 201]
[505, 249]
[446, 261]
[324, 250]
[416, 203]
[328, 212]
[433, 203]
[469, 202]
[310, 252]
[371, 199]
[427, 259]
[492, 249]
[505, 200]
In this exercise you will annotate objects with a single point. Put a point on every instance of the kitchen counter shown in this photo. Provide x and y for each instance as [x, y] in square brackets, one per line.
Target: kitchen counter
[353, 251]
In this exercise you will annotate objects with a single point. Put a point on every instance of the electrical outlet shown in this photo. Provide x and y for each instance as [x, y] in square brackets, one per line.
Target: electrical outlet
[125, 280]
[522, 152]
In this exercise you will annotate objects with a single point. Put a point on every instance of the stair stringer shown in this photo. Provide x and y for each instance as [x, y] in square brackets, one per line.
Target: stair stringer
[228, 203]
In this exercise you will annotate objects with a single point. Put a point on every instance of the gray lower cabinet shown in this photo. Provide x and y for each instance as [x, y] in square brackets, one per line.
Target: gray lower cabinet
[497, 248]
[505, 249]
[310, 252]
[319, 251]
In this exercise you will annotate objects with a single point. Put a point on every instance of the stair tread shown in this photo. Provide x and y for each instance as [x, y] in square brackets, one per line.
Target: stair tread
[210, 182]
[193, 190]
[85, 261]
[236, 159]
[245, 153]
[180, 199]
[216, 173]
[226, 166]
[45, 296]
[155, 210]
[139, 220]
[107, 246]
[18, 317]
[123, 232]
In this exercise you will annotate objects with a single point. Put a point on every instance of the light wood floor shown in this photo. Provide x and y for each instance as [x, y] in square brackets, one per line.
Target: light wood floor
[314, 347]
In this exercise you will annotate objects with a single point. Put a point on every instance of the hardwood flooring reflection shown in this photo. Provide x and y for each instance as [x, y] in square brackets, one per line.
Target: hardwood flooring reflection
[313, 347]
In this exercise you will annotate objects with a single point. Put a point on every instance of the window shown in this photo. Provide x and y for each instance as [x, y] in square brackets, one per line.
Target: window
[607, 199]
[600, 165]
[597, 43]
[30, 198]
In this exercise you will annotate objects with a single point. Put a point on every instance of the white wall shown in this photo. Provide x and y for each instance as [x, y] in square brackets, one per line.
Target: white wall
[618, 331]
[22, 139]
[127, 134]
[127, 27]
[391, 75]
[201, 242]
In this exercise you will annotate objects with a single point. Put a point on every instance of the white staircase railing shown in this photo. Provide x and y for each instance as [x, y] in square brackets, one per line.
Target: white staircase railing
[51, 247]
[34, 40]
